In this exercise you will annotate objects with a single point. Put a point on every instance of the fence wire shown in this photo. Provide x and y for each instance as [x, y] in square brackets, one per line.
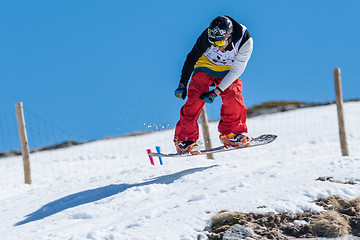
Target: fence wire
[59, 155]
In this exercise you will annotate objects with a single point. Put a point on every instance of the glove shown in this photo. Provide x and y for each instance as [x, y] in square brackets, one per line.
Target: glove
[208, 97]
[181, 91]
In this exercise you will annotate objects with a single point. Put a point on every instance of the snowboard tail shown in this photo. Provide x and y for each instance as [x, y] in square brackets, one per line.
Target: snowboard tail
[258, 141]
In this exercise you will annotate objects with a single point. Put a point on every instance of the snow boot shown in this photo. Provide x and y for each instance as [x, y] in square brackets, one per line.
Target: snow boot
[235, 140]
[187, 147]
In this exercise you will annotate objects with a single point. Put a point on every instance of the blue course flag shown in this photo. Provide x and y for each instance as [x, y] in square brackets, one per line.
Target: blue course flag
[158, 151]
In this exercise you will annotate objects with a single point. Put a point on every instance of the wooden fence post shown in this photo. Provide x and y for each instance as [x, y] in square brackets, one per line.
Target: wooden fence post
[340, 111]
[23, 141]
[205, 131]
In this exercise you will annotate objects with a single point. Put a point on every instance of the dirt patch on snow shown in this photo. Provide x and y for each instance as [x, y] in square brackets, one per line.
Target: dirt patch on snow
[341, 218]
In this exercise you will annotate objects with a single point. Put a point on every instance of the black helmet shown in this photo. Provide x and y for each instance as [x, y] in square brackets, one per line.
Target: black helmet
[220, 28]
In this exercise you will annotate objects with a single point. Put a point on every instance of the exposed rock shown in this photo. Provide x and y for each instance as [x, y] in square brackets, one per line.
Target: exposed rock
[331, 179]
[224, 218]
[238, 232]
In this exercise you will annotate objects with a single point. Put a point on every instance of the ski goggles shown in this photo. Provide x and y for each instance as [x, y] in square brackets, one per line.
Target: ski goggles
[219, 43]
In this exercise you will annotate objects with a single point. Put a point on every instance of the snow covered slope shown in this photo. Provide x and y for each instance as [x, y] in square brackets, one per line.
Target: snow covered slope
[108, 189]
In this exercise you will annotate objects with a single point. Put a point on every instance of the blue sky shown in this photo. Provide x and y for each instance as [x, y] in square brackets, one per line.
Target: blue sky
[105, 68]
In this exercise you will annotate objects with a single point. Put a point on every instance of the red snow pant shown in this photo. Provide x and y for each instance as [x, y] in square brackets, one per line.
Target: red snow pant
[233, 109]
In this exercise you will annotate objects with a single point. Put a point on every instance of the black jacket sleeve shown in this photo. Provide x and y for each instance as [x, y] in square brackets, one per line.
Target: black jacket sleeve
[199, 48]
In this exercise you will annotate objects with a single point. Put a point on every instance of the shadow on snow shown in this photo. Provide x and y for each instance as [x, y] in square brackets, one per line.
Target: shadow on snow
[96, 194]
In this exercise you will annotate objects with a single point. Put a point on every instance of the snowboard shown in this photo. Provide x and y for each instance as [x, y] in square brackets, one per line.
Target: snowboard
[257, 141]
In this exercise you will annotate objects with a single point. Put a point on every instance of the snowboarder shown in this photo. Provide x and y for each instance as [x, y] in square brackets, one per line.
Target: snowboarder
[218, 58]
